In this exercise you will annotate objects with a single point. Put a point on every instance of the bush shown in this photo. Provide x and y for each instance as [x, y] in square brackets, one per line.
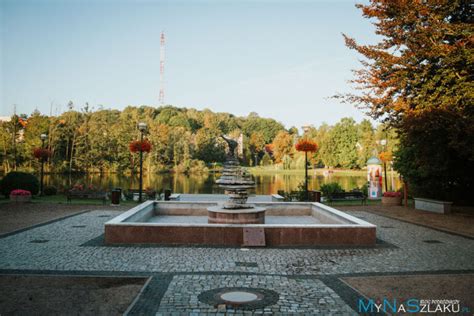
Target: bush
[329, 188]
[19, 180]
[50, 190]
[364, 189]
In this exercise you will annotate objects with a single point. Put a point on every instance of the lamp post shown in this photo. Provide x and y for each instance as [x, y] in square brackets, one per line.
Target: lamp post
[305, 131]
[383, 142]
[43, 138]
[142, 128]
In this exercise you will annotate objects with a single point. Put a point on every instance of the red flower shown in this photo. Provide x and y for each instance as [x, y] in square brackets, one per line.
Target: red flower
[136, 146]
[306, 145]
[392, 194]
[41, 153]
[19, 192]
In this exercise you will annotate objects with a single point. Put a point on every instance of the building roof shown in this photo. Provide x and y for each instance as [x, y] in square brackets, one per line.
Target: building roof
[374, 161]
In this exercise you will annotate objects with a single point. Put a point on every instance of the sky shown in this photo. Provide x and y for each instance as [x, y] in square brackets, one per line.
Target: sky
[281, 59]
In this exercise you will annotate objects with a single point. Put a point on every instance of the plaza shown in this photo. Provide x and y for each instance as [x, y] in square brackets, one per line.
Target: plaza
[308, 280]
[253, 157]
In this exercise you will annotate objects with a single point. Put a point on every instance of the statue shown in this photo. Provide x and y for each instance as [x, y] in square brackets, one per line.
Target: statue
[232, 143]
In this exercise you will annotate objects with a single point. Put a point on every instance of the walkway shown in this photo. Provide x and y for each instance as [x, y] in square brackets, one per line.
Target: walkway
[182, 279]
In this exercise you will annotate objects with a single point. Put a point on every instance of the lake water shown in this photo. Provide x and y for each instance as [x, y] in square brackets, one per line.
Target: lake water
[266, 183]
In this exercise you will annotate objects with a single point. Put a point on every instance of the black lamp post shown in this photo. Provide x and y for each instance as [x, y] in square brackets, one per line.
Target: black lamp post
[142, 129]
[305, 130]
[43, 138]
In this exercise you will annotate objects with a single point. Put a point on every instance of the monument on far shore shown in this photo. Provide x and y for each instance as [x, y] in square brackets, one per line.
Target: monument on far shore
[236, 183]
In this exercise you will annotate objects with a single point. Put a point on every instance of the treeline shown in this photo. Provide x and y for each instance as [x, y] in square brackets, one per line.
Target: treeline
[183, 140]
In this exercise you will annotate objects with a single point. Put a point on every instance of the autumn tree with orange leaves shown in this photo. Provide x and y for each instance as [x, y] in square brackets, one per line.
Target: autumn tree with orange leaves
[418, 79]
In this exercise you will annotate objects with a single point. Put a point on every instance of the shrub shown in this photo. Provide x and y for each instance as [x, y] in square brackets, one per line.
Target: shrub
[19, 180]
[364, 189]
[50, 190]
[329, 188]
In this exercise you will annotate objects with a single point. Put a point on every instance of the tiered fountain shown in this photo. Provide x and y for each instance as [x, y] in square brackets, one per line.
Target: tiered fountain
[236, 183]
[235, 223]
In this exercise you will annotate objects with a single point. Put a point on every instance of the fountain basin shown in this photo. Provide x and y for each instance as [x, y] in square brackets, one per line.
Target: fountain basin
[219, 215]
[286, 224]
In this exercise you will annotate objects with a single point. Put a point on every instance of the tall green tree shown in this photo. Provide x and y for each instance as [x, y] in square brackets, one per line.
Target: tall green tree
[366, 142]
[344, 135]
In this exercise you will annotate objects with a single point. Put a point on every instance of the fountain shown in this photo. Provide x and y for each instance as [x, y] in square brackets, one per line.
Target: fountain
[231, 221]
[236, 183]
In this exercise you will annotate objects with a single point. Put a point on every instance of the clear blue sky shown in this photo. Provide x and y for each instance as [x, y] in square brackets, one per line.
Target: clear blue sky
[281, 59]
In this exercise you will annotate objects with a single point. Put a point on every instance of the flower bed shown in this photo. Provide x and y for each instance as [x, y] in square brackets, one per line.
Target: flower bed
[20, 196]
[392, 198]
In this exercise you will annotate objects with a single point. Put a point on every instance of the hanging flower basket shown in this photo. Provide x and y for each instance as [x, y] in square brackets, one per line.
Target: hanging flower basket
[385, 156]
[137, 146]
[41, 154]
[306, 145]
[20, 196]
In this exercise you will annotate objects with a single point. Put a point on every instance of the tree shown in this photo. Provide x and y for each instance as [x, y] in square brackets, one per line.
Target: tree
[208, 148]
[366, 142]
[282, 146]
[418, 79]
[267, 127]
[344, 135]
[256, 145]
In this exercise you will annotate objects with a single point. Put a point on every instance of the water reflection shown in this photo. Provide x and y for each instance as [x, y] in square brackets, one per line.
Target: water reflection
[265, 183]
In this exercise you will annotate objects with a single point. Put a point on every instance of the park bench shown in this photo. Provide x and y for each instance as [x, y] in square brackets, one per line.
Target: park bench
[90, 195]
[348, 196]
[145, 195]
[175, 197]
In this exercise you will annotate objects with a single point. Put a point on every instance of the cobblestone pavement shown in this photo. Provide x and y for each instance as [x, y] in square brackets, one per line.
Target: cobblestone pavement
[304, 278]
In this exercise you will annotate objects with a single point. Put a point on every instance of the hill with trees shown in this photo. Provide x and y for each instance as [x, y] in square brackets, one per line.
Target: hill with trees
[183, 140]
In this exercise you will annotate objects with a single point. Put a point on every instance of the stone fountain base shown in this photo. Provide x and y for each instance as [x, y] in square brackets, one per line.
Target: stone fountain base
[220, 215]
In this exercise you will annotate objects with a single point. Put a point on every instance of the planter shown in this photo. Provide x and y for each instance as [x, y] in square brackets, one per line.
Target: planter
[386, 200]
[435, 206]
[20, 198]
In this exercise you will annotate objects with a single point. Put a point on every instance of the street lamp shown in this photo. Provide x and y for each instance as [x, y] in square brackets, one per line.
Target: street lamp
[142, 128]
[383, 142]
[43, 138]
[306, 129]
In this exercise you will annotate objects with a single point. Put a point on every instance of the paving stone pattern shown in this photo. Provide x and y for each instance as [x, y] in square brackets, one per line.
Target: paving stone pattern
[181, 294]
[298, 275]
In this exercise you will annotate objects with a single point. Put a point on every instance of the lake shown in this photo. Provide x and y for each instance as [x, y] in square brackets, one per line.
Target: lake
[266, 182]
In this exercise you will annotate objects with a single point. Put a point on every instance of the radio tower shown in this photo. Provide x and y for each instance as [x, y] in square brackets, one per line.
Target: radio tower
[162, 68]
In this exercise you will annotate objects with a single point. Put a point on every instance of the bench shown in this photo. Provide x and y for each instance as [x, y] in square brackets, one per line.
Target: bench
[136, 192]
[73, 194]
[175, 197]
[348, 196]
